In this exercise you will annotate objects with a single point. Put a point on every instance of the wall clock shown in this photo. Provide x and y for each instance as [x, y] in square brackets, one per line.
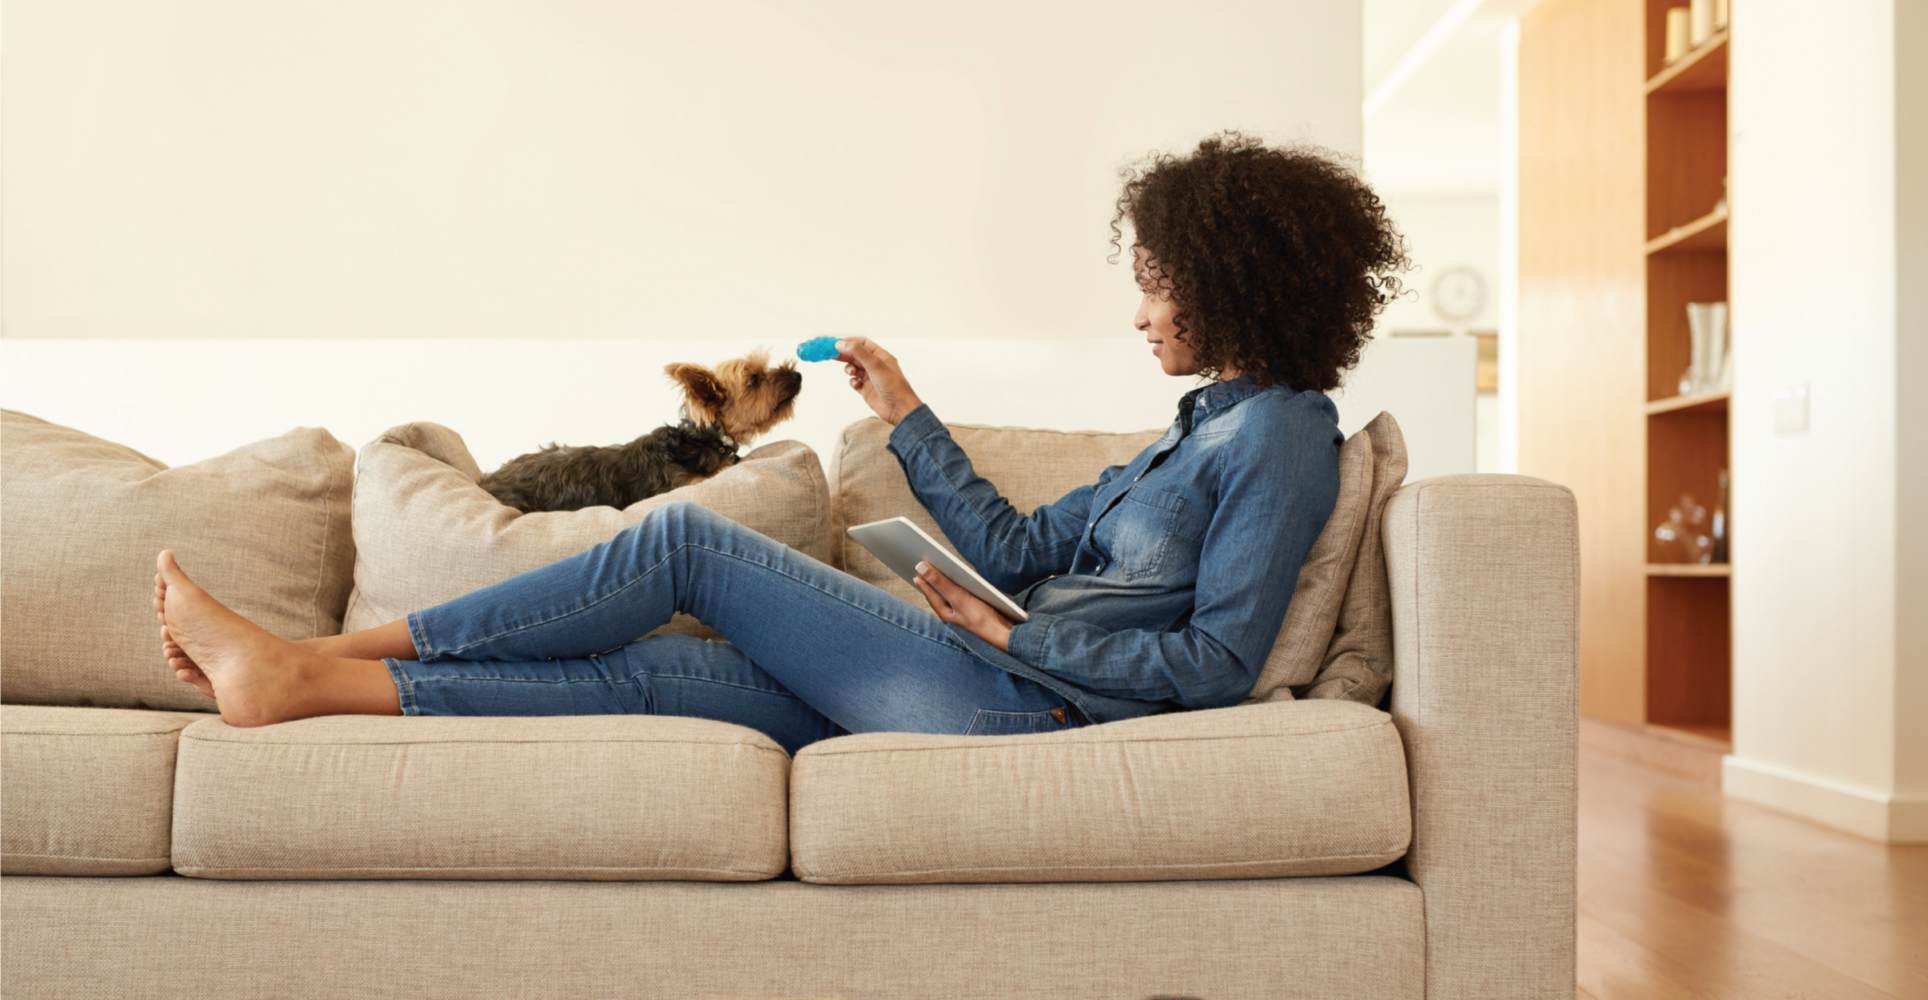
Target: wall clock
[1459, 294]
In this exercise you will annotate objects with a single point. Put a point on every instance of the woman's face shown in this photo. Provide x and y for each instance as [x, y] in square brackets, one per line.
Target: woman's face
[1158, 318]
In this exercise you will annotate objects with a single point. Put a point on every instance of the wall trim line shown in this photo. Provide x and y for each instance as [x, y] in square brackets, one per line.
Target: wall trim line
[1894, 819]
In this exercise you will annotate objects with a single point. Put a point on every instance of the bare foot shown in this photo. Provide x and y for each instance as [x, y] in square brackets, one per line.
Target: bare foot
[254, 677]
[185, 669]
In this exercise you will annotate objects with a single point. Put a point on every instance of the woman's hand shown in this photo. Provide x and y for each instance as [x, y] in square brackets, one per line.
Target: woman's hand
[957, 606]
[876, 377]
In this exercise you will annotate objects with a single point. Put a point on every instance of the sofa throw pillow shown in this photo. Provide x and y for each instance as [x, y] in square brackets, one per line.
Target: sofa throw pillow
[1358, 663]
[263, 527]
[1030, 467]
[1300, 649]
[426, 533]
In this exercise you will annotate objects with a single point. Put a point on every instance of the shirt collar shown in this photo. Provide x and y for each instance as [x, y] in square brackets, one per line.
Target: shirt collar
[1214, 398]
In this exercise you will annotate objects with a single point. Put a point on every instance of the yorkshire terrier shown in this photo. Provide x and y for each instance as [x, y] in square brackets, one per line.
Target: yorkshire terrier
[722, 410]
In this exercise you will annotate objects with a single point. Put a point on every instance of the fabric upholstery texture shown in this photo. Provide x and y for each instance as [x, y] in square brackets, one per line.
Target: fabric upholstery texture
[263, 527]
[1248, 792]
[426, 533]
[1264, 939]
[86, 791]
[579, 797]
[1358, 664]
[1485, 598]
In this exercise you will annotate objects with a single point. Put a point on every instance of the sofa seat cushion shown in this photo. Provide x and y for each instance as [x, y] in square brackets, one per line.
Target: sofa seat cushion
[1260, 791]
[580, 797]
[86, 791]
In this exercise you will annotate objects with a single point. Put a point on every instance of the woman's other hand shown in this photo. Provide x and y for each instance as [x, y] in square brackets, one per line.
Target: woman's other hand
[874, 374]
[957, 606]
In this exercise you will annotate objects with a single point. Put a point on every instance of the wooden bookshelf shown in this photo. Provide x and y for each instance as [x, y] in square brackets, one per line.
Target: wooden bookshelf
[1688, 605]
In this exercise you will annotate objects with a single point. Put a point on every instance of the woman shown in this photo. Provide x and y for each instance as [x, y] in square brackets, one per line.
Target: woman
[1161, 586]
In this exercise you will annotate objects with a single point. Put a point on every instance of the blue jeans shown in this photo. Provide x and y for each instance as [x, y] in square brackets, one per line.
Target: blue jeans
[812, 652]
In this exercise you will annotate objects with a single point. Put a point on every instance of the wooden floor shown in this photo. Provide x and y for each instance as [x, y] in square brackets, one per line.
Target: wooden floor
[1684, 893]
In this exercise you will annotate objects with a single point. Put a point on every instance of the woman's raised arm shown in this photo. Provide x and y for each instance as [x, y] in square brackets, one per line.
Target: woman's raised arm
[875, 375]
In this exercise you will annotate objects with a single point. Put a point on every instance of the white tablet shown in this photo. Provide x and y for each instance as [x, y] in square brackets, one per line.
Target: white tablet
[902, 545]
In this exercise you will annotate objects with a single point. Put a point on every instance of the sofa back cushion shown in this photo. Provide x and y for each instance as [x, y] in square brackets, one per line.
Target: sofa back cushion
[426, 533]
[1358, 661]
[263, 527]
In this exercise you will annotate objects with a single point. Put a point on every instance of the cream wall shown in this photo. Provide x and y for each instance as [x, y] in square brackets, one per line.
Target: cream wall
[1829, 599]
[507, 216]
[1443, 231]
[512, 168]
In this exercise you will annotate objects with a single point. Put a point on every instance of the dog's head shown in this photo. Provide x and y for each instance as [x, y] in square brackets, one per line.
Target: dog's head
[745, 396]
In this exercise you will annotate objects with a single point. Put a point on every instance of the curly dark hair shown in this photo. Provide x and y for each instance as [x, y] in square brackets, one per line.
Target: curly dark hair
[1277, 259]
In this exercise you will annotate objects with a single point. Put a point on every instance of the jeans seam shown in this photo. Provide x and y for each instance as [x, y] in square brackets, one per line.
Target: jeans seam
[456, 653]
[404, 687]
[424, 650]
[600, 680]
[981, 714]
[719, 683]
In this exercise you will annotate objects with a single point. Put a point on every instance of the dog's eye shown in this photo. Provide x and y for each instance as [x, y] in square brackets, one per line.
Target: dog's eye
[756, 380]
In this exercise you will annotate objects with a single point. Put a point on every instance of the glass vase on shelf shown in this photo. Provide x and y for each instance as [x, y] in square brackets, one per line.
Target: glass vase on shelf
[1710, 358]
[1720, 527]
[1685, 536]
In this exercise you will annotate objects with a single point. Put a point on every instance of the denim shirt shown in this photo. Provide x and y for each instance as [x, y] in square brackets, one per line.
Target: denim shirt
[1164, 584]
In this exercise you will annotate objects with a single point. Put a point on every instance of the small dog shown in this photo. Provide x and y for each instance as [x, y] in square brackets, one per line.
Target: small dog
[722, 410]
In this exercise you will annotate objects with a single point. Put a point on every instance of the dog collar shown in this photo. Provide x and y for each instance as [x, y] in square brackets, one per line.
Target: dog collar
[717, 427]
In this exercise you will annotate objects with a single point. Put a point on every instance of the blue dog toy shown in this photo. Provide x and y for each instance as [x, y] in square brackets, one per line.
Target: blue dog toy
[818, 349]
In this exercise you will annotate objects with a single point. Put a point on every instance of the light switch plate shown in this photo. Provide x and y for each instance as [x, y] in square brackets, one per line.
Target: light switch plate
[1791, 409]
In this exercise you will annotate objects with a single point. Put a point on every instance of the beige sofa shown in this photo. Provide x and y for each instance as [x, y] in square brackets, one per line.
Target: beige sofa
[1288, 847]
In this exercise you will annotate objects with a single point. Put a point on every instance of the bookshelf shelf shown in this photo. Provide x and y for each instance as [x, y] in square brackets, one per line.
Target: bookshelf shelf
[1703, 235]
[1705, 402]
[1690, 569]
[1703, 69]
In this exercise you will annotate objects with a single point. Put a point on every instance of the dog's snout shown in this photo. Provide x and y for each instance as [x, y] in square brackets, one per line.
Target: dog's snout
[791, 377]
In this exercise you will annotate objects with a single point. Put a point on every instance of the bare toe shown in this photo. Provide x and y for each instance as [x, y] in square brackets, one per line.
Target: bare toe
[188, 674]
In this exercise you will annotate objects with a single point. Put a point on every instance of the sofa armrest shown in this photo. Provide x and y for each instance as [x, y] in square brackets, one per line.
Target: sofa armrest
[1484, 573]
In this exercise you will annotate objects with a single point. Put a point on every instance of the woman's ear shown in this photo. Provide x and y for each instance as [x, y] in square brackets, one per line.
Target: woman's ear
[702, 390]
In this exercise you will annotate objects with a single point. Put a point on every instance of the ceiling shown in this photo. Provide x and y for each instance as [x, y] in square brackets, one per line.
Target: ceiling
[1434, 129]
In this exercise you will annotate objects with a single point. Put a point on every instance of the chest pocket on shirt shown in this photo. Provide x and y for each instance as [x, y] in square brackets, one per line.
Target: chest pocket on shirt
[1136, 535]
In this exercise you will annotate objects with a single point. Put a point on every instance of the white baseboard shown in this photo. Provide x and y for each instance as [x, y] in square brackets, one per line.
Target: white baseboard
[1895, 819]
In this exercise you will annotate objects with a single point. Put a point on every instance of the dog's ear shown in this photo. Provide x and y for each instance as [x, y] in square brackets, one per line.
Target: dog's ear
[701, 389]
